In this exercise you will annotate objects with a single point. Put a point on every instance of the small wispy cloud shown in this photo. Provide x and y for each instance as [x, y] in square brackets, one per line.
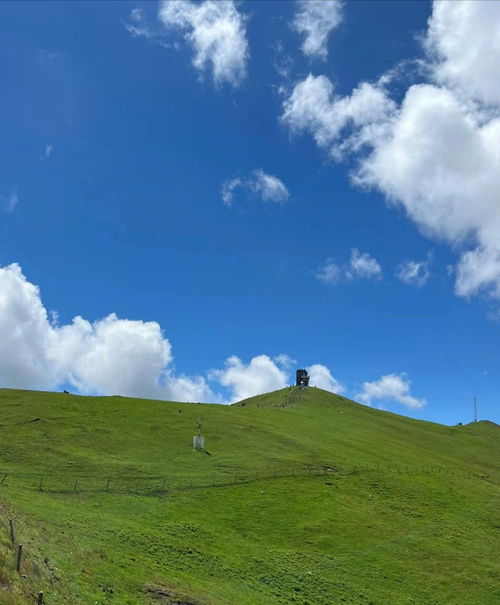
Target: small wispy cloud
[314, 20]
[330, 273]
[284, 360]
[227, 189]
[267, 187]
[9, 202]
[360, 266]
[137, 25]
[494, 315]
[283, 62]
[414, 273]
[363, 265]
[215, 31]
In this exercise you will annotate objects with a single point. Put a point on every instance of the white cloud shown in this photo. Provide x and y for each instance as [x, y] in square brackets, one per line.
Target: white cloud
[109, 356]
[216, 33]
[464, 42]
[260, 375]
[10, 201]
[330, 273]
[48, 150]
[392, 387]
[363, 265]
[443, 166]
[188, 388]
[360, 266]
[314, 20]
[267, 187]
[137, 25]
[321, 377]
[478, 271]
[440, 164]
[26, 333]
[146, 23]
[227, 189]
[285, 361]
[437, 154]
[413, 273]
[314, 107]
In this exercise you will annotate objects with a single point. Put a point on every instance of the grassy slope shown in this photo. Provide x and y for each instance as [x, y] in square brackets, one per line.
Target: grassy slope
[419, 531]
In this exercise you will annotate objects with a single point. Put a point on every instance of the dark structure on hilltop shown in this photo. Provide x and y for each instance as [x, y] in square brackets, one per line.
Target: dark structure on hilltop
[302, 378]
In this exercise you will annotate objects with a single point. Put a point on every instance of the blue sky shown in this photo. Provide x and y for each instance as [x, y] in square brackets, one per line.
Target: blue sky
[223, 192]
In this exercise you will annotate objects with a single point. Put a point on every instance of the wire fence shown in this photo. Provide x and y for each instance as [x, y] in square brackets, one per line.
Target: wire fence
[24, 562]
[134, 483]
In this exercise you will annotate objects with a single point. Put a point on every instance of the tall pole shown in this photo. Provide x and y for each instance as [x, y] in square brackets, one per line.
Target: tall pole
[475, 409]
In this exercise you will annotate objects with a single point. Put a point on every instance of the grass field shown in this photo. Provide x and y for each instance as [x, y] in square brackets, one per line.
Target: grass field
[302, 497]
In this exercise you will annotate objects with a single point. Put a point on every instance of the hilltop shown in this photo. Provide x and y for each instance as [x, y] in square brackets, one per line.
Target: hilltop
[300, 497]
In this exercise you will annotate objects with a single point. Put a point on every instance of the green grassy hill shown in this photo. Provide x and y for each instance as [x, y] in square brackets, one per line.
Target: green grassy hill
[302, 497]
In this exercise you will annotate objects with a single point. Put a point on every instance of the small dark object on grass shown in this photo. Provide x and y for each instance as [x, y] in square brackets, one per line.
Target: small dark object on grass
[19, 555]
[160, 593]
[30, 421]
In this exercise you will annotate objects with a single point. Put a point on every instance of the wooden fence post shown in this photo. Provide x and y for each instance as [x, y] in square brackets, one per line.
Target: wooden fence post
[11, 527]
[3, 478]
[107, 485]
[40, 598]
[19, 554]
[40, 485]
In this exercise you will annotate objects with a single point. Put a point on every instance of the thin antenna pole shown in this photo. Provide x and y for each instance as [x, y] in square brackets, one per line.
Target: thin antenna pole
[475, 409]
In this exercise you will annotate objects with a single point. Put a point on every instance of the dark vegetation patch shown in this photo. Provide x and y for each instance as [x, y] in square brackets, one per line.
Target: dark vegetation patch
[168, 596]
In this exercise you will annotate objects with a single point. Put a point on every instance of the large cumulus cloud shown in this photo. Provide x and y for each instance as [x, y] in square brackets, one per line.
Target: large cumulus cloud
[109, 356]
